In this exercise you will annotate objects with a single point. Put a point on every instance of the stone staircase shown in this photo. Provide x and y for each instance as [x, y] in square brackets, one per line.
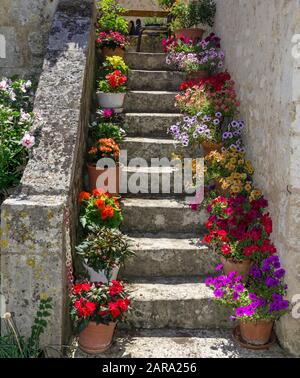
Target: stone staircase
[174, 313]
[164, 274]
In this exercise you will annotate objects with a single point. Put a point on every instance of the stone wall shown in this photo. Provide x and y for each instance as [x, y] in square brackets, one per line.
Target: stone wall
[39, 221]
[257, 37]
[25, 26]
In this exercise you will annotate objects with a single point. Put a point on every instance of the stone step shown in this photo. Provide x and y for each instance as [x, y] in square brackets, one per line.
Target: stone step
[150, 102]
[175, 302]
[154, 181]
[150, 44]
[149, 124]
[166, 257]
[140, 80]
[147, 148]
[179, 343]
[147, 61]
[161, 215]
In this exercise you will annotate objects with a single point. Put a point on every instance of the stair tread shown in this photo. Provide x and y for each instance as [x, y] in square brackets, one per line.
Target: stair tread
[155, 92]
[165, 202]
[149, 140]
[156, 115]
[156, 71]
[156, 243]
[169, 289]
[180, 343]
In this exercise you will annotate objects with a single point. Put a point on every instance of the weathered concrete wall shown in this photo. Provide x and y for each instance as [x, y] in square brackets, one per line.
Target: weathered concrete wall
[257, 38]
[25, 26]
[39, 221]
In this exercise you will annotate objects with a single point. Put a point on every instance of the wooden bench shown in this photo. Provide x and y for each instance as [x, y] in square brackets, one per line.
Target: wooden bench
[155, 29]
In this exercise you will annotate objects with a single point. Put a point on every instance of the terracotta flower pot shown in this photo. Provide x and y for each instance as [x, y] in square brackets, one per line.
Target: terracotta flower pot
[241, 267]
[197, 75]
[95, 338]
[112, 181]
[195, 34]
[208, 147]
[256, 333]
[109, 51]
[111, 100]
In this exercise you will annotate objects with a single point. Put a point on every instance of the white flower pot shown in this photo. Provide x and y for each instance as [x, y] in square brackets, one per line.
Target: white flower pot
[110, 100]
[100, 277]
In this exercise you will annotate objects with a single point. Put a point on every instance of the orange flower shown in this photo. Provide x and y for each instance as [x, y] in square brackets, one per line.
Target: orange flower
[84, 196]
[92, 151]
[108, 212]
[100, 204]
[98, 192]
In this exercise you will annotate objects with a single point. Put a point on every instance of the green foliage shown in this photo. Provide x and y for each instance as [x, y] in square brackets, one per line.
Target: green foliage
[166, 4]
[105, 248]
[192, 14]
[13, 345]
[16, 118]
[155, 21]
[110, 17]
[107, 130]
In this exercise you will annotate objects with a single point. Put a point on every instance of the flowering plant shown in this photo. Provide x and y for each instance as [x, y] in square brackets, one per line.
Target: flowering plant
[113, 83]
[100, 303]
[189, 57]
[209, 96]
[113, 63]
[197, 129]
[99, 209]
[107, 130]
[232, 173]
[111, 39]
[262, 299]
[111, 17]
[16, 119]
[104, 249]
[239, 229]
[104, 148]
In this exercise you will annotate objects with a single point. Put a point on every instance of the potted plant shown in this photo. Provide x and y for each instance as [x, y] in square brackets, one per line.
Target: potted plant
[95, 309]
[99, 209]
[111, 43]
[187, 16]
[239, 231]
[107, 129]
[113, 63]
[198, 60]
[105, 148]
[104, 250]
[231, 173]
[112, 90]
[256, 306]
[110, 17]
[155, 22]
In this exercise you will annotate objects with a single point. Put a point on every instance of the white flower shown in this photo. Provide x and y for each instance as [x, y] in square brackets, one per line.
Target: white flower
[12, 95]
[28, 84]
[3, 85]
[28, 141]
[24, 116]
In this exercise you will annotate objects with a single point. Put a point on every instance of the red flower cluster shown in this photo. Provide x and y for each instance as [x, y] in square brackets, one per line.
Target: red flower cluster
[111, 39]
[116, 79]
[239, 228]
[217, 82]
[98, 301]
[172, 42]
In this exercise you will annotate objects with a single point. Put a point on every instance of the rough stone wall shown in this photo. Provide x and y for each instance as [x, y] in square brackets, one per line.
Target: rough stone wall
[25, 26]
[257, 37]
[39, 221]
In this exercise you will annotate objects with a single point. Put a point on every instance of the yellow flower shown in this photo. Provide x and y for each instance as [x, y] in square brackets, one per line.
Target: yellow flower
[248, 187]
[235, 189]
